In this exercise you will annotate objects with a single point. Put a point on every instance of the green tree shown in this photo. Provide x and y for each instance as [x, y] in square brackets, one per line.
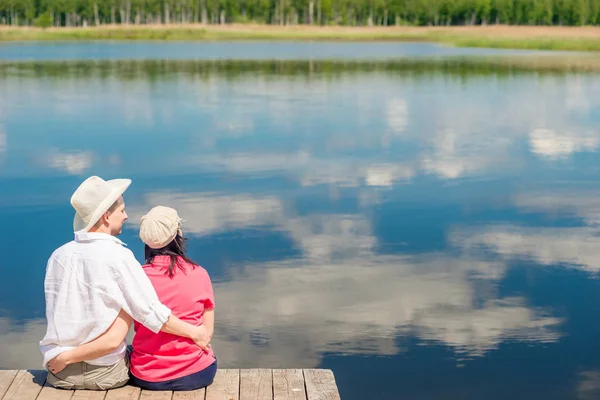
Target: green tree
[44, 20]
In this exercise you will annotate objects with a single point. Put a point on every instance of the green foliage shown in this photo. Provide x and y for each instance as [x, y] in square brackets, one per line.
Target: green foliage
[324, 12]
[454, 37]
[44, 20]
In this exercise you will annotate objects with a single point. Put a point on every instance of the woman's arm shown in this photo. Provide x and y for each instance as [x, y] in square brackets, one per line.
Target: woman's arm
[208, 320]
[104, 344]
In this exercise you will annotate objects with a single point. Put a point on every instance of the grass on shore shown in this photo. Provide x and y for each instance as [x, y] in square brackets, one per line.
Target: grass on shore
[527, 43]
[515, 37]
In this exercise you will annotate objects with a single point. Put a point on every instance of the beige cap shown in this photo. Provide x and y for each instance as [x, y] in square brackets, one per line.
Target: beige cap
[159, 227]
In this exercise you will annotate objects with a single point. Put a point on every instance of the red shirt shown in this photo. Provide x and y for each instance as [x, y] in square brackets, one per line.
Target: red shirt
[158, 357]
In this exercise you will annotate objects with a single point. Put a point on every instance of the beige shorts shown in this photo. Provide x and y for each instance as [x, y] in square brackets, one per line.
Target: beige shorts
[91, 377]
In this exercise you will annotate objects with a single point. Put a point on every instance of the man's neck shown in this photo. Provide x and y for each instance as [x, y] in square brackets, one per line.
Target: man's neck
[94, 236]
[100, 229]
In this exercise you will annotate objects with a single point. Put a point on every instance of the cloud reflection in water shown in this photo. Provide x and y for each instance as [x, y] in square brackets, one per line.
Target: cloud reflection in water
[342, 296]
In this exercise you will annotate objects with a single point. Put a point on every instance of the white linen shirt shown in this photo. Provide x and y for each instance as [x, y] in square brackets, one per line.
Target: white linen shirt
[88, 281]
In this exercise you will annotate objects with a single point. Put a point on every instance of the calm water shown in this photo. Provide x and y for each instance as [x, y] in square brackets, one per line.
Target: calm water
[234, 50]
[427, 231]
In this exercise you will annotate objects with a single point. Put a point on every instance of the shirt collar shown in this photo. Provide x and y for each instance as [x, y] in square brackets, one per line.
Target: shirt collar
[83, 236]
[161, 260]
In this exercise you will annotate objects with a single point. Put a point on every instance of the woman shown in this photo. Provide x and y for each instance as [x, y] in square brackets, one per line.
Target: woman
[161, 361]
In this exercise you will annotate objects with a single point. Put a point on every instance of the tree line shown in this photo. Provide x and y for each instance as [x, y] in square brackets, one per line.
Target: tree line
[71, 13]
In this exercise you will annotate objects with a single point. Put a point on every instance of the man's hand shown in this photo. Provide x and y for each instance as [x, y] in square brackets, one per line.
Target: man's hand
[201, 337]
[59, 362]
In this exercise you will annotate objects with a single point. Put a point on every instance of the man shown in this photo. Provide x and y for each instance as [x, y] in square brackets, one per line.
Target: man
[92, 285]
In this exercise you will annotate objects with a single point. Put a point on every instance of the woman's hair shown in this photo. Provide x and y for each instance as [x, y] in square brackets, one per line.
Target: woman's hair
[175, 250]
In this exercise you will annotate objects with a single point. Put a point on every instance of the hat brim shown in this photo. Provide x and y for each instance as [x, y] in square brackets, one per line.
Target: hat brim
[118, 187]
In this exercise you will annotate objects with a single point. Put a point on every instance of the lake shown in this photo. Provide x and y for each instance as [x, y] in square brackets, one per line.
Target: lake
[423, 223]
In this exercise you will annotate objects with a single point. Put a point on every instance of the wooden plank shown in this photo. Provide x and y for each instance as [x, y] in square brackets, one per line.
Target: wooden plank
[256, 384]
[26, 385]
[226, 385]
[88, 395]
[199, 394]
[156, 395]
[320, 385]
[6, 378]
[288, 384]
[49, 392]
[124, 393]
[233, 384]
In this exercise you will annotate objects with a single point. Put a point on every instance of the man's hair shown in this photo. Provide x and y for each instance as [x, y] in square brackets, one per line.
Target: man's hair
[111, 210]
[115, 205]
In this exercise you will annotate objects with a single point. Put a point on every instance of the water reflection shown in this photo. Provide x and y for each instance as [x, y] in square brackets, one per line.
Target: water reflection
[370, 212]
[589, 387]
[3, 144]
[549, 144]
[209, 213]
[383, 128]
[574, 247]
[73, 163]
[571, 202]
[329, 299]
[18, 348]
[360, 304]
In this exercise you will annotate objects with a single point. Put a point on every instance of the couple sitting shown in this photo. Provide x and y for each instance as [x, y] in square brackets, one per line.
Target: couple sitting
[95, 287]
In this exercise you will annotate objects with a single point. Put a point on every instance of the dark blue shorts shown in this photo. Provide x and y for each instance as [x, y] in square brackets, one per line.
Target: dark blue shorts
[190, 382]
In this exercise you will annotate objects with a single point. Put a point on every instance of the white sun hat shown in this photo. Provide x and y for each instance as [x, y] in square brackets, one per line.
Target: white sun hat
[159, 227]
[93, 198]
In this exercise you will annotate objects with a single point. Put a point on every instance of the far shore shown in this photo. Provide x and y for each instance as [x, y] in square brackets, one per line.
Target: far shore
[490, 36]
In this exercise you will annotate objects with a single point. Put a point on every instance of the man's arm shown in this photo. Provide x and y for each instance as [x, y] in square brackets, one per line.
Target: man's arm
[199, 334]
[104, 344]
[141, 302]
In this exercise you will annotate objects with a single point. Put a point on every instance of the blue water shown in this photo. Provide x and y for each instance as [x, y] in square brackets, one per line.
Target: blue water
[424, 236]
[244, 50]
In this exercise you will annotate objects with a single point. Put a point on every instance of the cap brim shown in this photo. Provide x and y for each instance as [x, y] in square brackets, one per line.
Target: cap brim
[118, 187]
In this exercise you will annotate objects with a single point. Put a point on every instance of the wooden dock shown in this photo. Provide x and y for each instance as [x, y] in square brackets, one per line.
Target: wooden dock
[229, 384]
